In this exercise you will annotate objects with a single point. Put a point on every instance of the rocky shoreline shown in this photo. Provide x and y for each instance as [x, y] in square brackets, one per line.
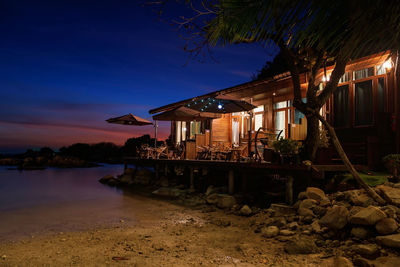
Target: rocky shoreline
[348, 226]
[41, 163]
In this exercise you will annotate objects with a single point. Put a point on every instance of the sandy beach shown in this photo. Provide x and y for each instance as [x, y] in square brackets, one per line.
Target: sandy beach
[162, 234]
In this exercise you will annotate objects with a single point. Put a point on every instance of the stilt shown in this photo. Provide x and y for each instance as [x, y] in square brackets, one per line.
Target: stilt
[244, 182]
[125, 166]
[157, 172]
[231, 182]
[289, 190]
[191, 178]
[166, 170]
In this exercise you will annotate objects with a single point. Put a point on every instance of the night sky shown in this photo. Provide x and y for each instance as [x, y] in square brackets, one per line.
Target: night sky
[66, 66]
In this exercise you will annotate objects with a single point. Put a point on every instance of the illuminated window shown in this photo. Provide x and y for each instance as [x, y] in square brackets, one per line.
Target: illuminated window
[259, 109]
[364, 73]
[258, 121]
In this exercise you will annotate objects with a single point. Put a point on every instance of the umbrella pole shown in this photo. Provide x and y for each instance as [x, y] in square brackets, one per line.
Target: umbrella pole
[211, 121]
[155, 133]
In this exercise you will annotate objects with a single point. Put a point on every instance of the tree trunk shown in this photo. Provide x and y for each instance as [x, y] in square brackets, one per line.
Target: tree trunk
[347, 163]
[311, 142]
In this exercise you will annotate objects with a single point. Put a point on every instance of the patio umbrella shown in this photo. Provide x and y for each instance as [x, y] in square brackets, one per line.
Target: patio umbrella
[130, 119]
[220, 104]
[185, 114]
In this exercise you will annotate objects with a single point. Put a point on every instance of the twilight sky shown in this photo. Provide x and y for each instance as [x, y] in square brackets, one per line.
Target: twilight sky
[66, 66]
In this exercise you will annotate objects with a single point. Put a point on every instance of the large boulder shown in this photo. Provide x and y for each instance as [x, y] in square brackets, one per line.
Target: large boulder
[392, 241]
[308, 204]
[105, 179]
[387, 262]
[302, 245]
[225, 201]
[360, 232]
[315, 193]
[335, 218]
[368, 216]
[386, 226]
[342, 262]
[369, 251]
[390, 194]
[143, 176]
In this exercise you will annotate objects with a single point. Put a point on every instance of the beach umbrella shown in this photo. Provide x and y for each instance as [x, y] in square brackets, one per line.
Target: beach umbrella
[130, 119]
[220, 104]
[185, 114]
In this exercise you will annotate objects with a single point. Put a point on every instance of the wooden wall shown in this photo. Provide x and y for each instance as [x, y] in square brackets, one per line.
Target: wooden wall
[222, 129]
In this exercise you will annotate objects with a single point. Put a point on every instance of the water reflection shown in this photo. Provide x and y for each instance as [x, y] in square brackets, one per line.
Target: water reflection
[56, 200]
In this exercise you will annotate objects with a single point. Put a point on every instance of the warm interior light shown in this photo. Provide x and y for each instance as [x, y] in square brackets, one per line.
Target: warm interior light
[184, 129]
[387, 64]
[219, 106]
[274, 94]
[326, 79]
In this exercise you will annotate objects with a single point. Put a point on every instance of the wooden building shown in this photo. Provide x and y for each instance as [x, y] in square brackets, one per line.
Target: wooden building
[365, 110]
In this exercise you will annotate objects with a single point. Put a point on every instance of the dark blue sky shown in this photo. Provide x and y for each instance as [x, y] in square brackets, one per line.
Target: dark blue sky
[66, 66]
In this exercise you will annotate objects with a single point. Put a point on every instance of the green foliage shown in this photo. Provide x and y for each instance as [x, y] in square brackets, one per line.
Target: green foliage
[323, 140]
[286, 146]
[370, 178]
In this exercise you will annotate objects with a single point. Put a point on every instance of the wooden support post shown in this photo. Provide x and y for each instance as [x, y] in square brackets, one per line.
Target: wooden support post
[157, 172]
[289, 190]
[166, 170]
[191, 178]
[125, 165]
[244, 182]
[231, 182]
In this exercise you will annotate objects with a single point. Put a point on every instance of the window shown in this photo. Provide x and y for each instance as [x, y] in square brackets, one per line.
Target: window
[259, 109]
[380, 69]
[184, 130]
[345, 78]
[258, 121]
[341, 106]
[363, 103]
[381, 95]
[283, 104]
[194, 128]
[364, 73]
[178, 131]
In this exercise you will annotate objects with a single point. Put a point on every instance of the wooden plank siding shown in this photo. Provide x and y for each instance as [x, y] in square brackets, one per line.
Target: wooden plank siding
[222, 130]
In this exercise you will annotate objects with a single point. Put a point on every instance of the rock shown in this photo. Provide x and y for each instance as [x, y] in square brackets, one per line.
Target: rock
[212, 199]
[305, 212]
[113, 182]
[335, 218]
[342, 262]
[129, 171]
[308, 204]
[390, 194]
[245, 210]
[391, 211]
[126, 179]
[316, 228]
[286, 232]
[307, 219]
[354, 210]
[4, 257]
[392, 241]
[270, 231]
[368, 251]
[302, 245]
[214, 190]
[226, 201]
[361, 262]
[315, 193]
[281, 209]
[164, 182]
[387, 262]
[292, 225]
[368, 216]
[319, 211]
[360, 232]
[143, 176]
[105, 179]
[325, 202]
[302, 195]
[168, 192]
[279, 222]
[386, 226]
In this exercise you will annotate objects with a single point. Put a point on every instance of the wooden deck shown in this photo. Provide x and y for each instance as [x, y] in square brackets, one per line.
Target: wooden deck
[232, 168]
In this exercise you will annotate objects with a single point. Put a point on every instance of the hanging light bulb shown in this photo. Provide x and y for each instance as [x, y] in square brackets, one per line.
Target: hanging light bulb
[387, 64]
[219, 106]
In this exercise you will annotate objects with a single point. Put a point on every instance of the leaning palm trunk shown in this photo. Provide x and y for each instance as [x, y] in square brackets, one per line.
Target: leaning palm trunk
[347, 163]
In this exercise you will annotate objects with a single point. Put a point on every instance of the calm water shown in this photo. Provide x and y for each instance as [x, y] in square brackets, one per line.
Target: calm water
[54, 200]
